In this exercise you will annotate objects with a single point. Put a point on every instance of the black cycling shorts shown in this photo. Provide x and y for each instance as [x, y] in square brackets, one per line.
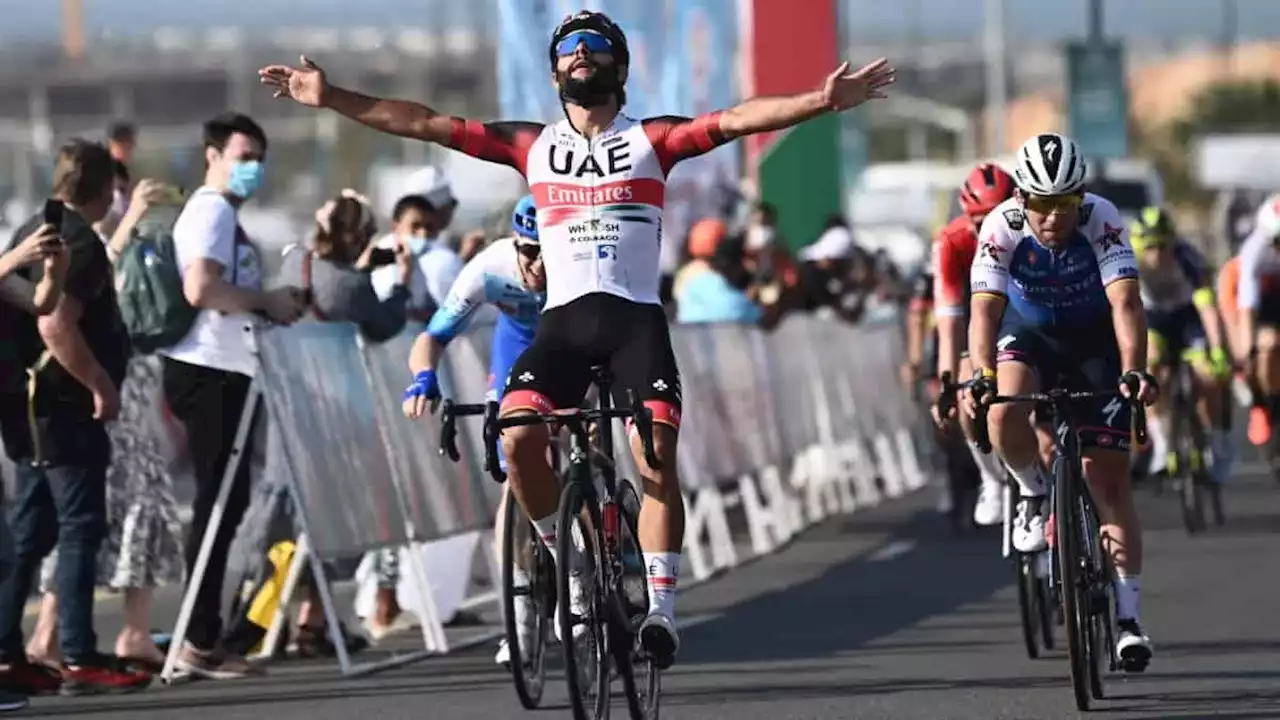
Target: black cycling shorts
[629, 338]
[1079, 358]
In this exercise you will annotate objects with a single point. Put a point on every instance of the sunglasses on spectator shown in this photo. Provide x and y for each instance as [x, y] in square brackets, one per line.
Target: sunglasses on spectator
[594, 41]
[1046, 204]
[530, 251]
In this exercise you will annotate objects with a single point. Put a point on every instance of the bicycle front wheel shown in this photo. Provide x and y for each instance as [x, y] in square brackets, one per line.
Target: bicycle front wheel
[1028, 601]
[1075, 596]
[580, 552]
[522, 546]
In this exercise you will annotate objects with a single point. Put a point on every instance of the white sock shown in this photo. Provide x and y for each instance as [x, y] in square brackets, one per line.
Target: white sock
[989, 465]
[664, 569]
[1128, 590]
[1156, 429]
[546, 528]
[1030, 478]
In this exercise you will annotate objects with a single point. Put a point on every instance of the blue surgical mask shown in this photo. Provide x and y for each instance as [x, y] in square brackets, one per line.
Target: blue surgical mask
[246, 178]
[417, 244]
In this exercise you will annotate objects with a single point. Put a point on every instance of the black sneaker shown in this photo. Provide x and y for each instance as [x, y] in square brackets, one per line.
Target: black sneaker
[11, 701]
[1133, 648]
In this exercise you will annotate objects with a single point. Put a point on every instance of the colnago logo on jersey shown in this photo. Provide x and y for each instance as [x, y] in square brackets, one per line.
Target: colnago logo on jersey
[631, 200]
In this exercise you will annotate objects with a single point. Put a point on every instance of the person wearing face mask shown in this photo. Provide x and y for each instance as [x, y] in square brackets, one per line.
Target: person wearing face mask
[415, 225]
[207, 374]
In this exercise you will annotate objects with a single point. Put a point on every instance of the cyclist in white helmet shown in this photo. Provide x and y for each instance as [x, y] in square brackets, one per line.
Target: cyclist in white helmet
[1056, 304]
[599, 177]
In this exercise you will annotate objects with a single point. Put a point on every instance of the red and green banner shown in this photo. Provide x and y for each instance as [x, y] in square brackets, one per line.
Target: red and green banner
[798, 171]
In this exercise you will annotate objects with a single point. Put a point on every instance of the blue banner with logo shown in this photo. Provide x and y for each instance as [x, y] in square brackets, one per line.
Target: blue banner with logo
[1098, 98]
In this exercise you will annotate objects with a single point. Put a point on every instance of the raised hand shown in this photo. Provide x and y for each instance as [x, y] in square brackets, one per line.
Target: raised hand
[305, 84]
[843, 89]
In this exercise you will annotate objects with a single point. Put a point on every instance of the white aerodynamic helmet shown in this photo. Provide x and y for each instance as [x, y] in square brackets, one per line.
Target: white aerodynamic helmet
[1268, 222]
[1050, 164]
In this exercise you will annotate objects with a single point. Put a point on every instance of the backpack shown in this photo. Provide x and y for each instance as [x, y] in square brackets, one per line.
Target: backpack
[149, 290]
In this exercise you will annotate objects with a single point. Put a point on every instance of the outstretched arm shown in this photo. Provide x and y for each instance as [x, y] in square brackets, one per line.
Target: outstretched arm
[501, 142]
[840, 91]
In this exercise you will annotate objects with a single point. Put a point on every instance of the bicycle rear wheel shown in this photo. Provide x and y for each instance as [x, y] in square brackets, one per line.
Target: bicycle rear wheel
[1075, 599]
[586, 660]
[528, 664]
[641, 679]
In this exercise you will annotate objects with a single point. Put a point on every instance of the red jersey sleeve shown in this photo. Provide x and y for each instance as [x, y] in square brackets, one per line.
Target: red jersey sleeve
[676, 138]
[951, 276]
[506, 143]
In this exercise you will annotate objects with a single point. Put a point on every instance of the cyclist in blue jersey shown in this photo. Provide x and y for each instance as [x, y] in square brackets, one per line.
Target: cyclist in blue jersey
[1055, 303]
[508, 275]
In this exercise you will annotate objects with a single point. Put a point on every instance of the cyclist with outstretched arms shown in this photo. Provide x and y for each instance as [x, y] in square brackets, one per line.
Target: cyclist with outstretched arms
[1258, 318]
[508, 275]
[599, 180]
[1056, 304]
[986, 186]
[1183, 321]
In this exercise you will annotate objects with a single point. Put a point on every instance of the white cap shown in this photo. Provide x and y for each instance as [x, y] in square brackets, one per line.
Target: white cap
[834, 244]
[430, 183]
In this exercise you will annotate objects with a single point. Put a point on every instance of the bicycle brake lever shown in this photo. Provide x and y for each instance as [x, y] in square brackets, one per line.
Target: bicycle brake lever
[491, 442]
[449, 432]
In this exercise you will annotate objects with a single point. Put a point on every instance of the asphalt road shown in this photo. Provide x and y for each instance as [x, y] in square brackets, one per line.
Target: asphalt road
[881, 614]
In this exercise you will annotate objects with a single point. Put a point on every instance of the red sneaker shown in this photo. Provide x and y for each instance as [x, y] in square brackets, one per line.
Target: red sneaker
[102, 674]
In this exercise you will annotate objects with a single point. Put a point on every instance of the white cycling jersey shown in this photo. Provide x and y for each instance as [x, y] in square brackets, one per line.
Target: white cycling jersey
[491, 277]
[600, 200]
[1259, 258]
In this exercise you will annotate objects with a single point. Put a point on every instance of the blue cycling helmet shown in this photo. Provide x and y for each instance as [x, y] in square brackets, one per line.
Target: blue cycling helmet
[524, 219]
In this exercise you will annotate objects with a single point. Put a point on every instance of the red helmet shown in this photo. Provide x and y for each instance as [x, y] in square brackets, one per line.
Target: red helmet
[986, 187]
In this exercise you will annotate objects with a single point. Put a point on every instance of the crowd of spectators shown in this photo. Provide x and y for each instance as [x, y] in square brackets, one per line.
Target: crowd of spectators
[83, 411]
[750, 275]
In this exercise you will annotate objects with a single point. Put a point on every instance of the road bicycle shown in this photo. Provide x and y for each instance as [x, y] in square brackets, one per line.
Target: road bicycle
[596, 523]
[1082, 574]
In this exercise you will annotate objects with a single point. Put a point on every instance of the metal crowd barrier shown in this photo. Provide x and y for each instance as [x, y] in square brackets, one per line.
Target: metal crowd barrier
[786, 428]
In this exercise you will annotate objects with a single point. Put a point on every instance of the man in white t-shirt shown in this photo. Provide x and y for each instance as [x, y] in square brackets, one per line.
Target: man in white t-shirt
[207, 374]
[416, 223]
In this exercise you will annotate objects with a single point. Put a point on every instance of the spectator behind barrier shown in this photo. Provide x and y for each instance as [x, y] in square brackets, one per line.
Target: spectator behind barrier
[342, 249]
[719, 292]
[416, 224]
[833, 273]
[207, 375]
[75, 358]
[340, 292]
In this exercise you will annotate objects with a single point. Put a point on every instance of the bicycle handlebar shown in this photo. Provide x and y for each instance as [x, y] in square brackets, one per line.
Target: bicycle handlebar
[1058, 399]
[576, 419]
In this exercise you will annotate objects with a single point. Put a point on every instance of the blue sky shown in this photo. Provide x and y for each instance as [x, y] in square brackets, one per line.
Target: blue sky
[1033, 19]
